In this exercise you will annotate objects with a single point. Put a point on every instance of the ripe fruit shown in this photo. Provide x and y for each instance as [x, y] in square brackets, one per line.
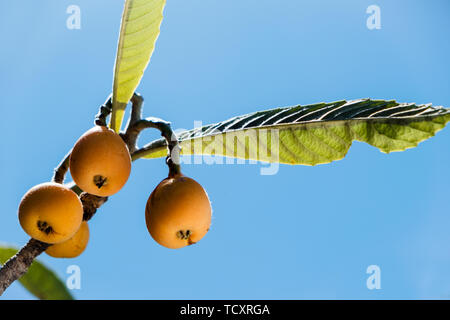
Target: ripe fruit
[100, 162]
[73, 247]
[50, 212]
[178, 212]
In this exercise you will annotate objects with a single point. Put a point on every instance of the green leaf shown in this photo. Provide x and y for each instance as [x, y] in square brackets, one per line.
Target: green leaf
[139, 30]
[313, 134]
[40, 281]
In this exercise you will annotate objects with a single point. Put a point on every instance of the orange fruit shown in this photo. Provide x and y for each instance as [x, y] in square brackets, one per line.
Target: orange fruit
[178, 212]
[100, 162]
[73, 247]
[50, 212]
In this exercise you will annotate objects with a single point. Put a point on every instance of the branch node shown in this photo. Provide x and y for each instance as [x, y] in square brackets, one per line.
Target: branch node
[90, 204]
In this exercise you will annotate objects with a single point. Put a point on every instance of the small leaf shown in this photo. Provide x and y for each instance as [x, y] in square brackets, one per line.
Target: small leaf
[39, 280]
[313, 134]
[139, 30]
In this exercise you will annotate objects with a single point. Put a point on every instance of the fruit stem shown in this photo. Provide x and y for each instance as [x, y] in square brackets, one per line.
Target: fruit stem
[136, 125]
[174, 169]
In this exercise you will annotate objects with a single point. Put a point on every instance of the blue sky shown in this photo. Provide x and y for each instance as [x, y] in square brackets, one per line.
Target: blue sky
[304, 233]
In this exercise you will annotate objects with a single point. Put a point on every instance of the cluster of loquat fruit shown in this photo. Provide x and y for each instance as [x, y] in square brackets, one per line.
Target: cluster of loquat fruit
[178, 211]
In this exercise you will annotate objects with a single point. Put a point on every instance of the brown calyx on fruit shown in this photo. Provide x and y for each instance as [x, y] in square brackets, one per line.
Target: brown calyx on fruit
[44, 227]
[100, 181]
[185, 235]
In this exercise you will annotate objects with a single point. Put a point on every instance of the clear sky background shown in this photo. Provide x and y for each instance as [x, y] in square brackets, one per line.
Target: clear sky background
[306, 232]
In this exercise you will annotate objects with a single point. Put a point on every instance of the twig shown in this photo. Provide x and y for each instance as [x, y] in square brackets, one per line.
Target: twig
[62, 169]
[104, 112]
[131, 135]
[137, 102]
[136, 125]
[173, 155]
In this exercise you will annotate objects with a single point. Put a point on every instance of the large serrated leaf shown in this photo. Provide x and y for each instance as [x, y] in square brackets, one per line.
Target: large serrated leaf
[40, 281]
[313, 134]
[139, 31]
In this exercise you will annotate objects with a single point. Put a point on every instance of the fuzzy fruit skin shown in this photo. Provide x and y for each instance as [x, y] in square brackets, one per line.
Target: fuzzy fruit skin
[73, 247]
[50, 212]
[178, 204]
[100, 152]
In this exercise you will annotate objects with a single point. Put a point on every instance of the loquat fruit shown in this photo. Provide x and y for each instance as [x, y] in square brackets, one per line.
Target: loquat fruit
[73, 247]
[50, 212]
[100, 162]
[178, 212]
